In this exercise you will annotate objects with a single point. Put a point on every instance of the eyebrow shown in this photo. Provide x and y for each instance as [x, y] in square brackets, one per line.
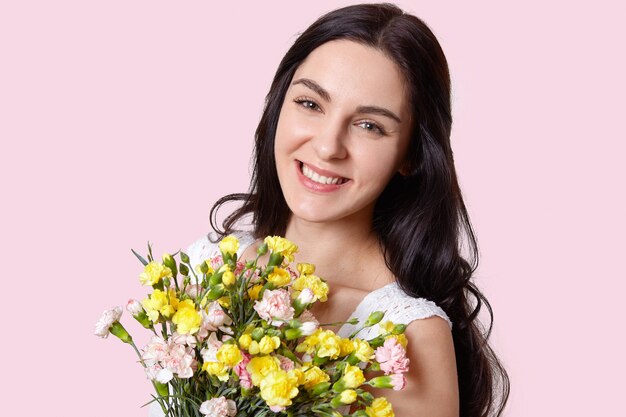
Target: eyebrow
[313, 86]
[361, 109]
[378, 110]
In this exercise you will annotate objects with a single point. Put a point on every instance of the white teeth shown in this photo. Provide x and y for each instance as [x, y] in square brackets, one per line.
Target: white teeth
[309, 173]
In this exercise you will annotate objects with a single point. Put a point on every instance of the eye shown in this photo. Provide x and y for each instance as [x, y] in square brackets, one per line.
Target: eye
[308, 104]
[372, 127]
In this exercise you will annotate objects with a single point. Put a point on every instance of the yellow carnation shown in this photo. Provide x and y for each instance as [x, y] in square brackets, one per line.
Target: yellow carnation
[224, 301]
[314, 283]
[299, 374]
[229, 245]
[329, 345]
[305, 269]
[348, 396]
[281, 245]
[182, 304]
[217, 369]
[380, 408]
[279, 277]
[268, 344]
[229, 355]
[160, 303]
[353, 377]
[314, 376]
[309, 343]
[346, 347]
[386, 326]
[153, 273]
[253, 292]
[278, 388]
[167, 311]
[401, 338]
[260, 366]
[362, 350]
[187, 320]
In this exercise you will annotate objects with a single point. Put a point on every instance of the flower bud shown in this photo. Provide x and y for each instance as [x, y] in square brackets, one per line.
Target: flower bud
[367, 396]
[184, 257]
[202, 268]
[275, 259]
[216, 292]
[228, 278]
[374, 318]
[398, 329]
[345, 397]
[319, 389]
[258, 333]
[169, 262]
[306, 296]
[395, 381]
[193, 290]
[184, 270]
[262, 250]
[136, 310]
[244, 341]
[134, 307]
[118, 330]
[377, 342]
[308, 328]
[292, 334]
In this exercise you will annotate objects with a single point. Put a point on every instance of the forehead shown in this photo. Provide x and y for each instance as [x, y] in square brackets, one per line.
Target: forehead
[356, 74]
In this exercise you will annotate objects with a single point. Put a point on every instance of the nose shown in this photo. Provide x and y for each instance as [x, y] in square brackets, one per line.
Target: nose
[328, 142]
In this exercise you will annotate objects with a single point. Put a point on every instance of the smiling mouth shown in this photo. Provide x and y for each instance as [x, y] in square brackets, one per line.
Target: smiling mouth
[320, 179]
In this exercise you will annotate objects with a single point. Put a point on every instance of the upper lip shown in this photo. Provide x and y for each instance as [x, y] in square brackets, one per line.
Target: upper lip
[323, 172]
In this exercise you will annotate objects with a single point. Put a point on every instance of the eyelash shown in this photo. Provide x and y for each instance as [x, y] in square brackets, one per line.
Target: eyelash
[300, 101]
[377, 129]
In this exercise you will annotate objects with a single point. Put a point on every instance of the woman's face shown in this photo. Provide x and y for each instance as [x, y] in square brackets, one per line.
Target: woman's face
[343, 132]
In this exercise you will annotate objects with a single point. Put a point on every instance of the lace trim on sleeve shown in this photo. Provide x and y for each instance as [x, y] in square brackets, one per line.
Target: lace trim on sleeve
[203, 248]
[399, 308]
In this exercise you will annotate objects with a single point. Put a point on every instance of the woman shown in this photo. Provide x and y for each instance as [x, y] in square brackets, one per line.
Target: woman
[353, 163]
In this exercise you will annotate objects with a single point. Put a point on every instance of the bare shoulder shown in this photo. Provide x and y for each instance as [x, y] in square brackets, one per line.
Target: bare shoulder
[432, 385]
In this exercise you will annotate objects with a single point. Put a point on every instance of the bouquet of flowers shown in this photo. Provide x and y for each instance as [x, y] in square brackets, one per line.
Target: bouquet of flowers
[238, 339]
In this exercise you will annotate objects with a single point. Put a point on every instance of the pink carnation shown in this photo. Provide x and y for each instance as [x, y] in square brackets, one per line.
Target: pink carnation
[286, 364]
[103, 326]
[209, 352]
[193, 290]
[244, 376]
[219, 407]
[398, 381]
[392, 357]
[164, 359]
[276, 304]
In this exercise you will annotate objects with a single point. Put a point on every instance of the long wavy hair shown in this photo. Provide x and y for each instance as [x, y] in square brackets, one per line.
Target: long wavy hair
[420, 218]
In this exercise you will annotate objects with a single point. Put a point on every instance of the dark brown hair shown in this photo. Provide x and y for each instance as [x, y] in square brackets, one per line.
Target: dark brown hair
[420, 218]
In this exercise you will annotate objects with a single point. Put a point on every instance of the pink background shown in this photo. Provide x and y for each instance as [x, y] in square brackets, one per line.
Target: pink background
[123, 121]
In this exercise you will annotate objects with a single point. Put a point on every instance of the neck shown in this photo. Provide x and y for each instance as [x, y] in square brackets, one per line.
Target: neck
[342, 251]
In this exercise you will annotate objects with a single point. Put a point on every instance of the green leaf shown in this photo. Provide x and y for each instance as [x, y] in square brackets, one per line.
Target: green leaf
[141, 259]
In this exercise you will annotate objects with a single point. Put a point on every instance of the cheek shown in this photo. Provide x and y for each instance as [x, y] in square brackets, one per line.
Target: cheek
[292, 131]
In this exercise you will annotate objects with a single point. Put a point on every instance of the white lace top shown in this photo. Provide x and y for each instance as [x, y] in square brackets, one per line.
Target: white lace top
[398, 307]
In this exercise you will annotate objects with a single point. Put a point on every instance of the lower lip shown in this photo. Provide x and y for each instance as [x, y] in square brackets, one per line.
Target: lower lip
[316, 186]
